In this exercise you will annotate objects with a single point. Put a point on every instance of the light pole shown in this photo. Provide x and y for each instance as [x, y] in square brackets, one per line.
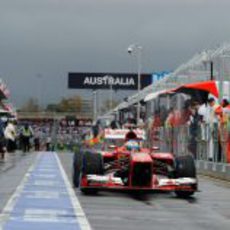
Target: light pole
[207, 59]
[222, 76]
[111, 97]
[111, 92]
[94, 105]
[40, 79]
[138, 49]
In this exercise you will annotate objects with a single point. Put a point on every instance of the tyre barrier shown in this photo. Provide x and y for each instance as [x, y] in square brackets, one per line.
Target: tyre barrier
[213, 169]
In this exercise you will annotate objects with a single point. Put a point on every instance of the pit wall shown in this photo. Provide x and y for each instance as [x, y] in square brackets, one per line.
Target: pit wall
[213, 169]
[210, 146]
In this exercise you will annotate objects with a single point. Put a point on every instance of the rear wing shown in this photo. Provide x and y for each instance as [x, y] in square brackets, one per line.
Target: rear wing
[121, 133]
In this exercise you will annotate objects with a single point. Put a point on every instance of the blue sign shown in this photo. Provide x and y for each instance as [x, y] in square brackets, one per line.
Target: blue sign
[156, 76]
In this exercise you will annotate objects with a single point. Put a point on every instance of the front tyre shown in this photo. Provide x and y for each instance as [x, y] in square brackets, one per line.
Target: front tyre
[184, 194]
[185, 167]
[92, 164]
[76, 171]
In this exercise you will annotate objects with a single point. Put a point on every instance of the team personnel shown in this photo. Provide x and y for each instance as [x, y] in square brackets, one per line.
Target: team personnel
[226, 125]
[10, 135]
[2, 140]
[27, 134]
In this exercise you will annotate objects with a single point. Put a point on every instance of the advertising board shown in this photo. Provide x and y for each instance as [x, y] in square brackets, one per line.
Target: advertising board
[126, 81]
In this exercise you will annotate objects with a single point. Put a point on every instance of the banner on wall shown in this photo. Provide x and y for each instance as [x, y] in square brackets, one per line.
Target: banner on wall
[156, 76]
[121, 81]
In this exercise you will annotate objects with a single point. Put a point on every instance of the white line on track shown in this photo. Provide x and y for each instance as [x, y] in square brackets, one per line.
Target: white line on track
[81, 217]
[4, 216]
[79, 213]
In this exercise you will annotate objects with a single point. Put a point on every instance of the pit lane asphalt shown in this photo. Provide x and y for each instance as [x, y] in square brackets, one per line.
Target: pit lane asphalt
[12, 170]
[208, 210]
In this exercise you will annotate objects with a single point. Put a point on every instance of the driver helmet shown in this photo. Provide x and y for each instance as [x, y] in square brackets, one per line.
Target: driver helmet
[132, 145]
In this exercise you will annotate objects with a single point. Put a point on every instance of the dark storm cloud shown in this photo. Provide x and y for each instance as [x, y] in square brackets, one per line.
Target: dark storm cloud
[53, 37]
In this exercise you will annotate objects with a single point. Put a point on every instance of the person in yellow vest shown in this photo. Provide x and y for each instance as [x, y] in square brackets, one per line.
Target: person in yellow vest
[27, 134]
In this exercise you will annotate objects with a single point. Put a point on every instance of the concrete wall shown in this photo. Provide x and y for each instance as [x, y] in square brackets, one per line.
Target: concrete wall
[217, 170]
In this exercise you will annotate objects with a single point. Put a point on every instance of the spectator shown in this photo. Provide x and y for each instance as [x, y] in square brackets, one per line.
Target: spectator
[226, 126]
[174, 118]
[10, 135]
[215, 110]
[48, 143]
[2, 140]
[140, 123]
[96, 129]
[114, 124]
[186, 112]
[194, 122]
[226, 109]
[37, 137]
[225, 103]
[214, 114]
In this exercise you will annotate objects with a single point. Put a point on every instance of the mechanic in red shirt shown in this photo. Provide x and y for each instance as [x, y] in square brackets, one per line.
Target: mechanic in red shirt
[174, 118]
[225, 122]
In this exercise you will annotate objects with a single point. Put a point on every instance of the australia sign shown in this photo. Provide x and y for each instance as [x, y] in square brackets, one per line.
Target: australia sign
[107, 81]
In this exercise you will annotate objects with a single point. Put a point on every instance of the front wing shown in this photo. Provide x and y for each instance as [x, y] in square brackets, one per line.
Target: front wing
[110, 182]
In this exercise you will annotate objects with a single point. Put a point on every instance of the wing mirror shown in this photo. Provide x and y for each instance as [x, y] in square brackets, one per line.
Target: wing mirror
[156, 138]
[155, 148]
[112, 146]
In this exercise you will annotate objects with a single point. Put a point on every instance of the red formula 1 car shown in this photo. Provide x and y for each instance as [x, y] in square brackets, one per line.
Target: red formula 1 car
[122, 164]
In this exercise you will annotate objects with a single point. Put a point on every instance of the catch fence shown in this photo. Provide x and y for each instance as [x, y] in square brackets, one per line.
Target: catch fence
[204, 141]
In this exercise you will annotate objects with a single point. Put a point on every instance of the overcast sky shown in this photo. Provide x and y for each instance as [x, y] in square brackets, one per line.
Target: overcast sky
[42, 40]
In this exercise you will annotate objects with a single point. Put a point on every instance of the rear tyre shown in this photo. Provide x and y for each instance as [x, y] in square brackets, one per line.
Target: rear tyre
[185, 167]
[92, 163]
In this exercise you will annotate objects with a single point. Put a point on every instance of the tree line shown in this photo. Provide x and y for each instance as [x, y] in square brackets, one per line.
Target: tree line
[66, 104]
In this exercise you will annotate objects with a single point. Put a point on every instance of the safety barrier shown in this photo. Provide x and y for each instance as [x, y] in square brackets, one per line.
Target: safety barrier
[213, 169]
[204, 141]
[209, 144]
